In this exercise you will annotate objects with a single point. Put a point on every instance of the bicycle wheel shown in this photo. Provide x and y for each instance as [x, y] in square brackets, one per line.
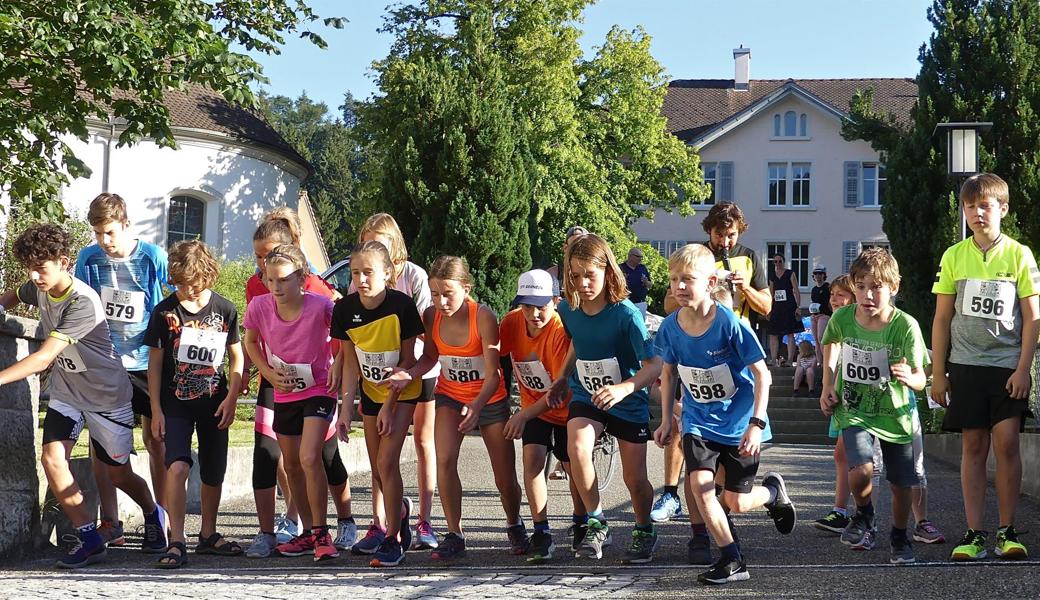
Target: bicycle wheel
[604, 459]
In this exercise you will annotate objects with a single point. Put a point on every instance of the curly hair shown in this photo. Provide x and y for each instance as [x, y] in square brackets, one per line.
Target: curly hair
[41, 243]
[723, 216]
[192, 264]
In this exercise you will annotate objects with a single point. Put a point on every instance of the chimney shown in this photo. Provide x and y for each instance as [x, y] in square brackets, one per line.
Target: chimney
[741, 68]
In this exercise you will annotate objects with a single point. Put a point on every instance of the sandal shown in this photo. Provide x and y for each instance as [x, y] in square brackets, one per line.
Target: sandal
[213, 545]
[173, 560]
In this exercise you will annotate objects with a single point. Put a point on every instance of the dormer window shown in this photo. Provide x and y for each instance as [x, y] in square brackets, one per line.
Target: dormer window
[790, 125]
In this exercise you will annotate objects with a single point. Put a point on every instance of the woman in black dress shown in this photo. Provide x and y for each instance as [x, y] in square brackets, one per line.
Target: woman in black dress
[784, 318]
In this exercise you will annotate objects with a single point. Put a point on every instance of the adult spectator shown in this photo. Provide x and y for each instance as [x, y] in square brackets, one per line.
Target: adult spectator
[784, 319]
[638, 279]
[819, 308]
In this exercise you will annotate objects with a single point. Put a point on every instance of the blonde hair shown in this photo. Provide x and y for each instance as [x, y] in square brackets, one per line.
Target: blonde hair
[984, 185]
[593, 249]
[107, 208]
[372, 247]
[281, 225]
[843, 282]
[385, 225]
[287, 253]
[721, 294]
[806, 349]
[192, 264]
[692, 258]
[878, 263]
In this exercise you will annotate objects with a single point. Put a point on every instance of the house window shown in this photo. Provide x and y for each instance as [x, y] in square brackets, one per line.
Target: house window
[790, 124]
[874, 180]
[802, 122]
[666, 247]
[777, 184]
[776, 125]
[710, 177]
[774, 248]
[800, 262]
[185, 219]
[851, 250]
[800, 184]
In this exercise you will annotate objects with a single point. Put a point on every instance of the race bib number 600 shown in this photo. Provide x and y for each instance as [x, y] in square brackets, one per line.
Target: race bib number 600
[202, 347]
[594, 374]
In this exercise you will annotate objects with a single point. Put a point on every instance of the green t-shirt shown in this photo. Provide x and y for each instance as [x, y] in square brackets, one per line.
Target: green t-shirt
[869, 397]
[986, 329]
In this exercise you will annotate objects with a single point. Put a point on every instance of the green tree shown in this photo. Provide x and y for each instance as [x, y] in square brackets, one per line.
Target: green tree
[591, 145]
[65, 62]
[330, 147]
[980, 64]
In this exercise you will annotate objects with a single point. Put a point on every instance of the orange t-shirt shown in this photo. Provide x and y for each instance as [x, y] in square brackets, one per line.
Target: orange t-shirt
[537, 362]
[463, 368]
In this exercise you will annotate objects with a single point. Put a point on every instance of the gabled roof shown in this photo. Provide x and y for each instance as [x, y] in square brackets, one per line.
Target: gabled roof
[696, 107]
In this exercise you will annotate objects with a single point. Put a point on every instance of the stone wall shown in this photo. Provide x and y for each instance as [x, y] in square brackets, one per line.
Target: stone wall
[21, 479]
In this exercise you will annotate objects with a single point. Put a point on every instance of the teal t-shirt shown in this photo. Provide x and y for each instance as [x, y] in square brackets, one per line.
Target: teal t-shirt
[868, 395]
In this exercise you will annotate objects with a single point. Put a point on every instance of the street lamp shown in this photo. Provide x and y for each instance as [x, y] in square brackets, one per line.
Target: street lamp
[962, 152]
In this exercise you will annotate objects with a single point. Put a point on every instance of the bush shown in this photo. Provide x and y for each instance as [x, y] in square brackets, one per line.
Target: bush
[232, 282]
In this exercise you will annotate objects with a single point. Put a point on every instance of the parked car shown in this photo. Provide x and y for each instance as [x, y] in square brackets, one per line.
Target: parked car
[338, 276]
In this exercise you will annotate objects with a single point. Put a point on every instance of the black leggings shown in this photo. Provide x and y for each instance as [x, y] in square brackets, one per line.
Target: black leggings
[196, 416]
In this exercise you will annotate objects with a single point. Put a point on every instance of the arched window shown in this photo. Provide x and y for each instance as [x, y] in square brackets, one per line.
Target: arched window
[790, 124]
[776, 125]
[185, 219]
[802, 129]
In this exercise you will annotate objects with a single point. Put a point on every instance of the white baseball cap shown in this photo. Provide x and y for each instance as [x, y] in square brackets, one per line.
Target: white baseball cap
[534, 288]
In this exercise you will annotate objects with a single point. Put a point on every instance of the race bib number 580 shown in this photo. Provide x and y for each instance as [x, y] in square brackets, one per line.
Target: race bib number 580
[463, 369]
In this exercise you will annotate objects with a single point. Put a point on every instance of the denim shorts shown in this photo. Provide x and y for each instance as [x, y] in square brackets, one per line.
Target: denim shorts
[898, 458]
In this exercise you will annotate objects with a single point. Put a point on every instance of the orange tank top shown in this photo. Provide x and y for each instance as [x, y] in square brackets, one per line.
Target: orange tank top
[463, 368]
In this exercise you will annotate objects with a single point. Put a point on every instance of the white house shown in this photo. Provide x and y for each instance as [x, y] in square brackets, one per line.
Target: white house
[231, 167]
[775, 148]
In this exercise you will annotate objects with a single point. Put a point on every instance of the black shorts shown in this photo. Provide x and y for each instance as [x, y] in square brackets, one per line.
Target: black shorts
[428, 386]
[706, 455]
[141, 401]
[370, 408]
[197, 416]
[550, 435]
[979, 398]
[289, 416]
[628, 431]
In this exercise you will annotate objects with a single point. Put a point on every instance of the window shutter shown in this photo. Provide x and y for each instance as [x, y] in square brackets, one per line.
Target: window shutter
[724, 184]
[849, 252]
[852, 177]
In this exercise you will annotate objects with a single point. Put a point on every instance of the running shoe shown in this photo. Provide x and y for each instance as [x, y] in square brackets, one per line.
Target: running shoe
[861, 532]
[298, 546]
[641, 550]
[577, 533]
[558, 474]
[597, 535]
[346, 534]
[81, 554]
[371, 542]
[155, 532]
[389, 554]
[665, 508]
[425, 538]
[518, 540]
[781, 509]
[834, 522]
[324, 549]
[111, 533]
[541, 547]
[902, 551]
[1008, 547]
[698, 550]
[404, 530]
[452, 546]
[927, 533]
[285, 529]
[263, 545]
[972, 547]
[725, 571]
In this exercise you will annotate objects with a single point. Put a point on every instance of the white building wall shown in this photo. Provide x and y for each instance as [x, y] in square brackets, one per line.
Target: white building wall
[237, 184]
[826, 224]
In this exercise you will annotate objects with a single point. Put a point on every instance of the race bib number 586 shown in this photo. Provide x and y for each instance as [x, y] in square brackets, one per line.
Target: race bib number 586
[594, 374]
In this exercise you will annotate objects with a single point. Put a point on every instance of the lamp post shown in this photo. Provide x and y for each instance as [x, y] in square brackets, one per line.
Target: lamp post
[962, 152]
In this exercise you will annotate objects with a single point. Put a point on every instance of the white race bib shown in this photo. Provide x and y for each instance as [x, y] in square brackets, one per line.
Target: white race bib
[708, 385]
[70, 361]
[301, 375]
[202, 347]
[532, 375]
[463, 369]
[374, 365]
[814, 308]
[779, 295]
[122, 305]
[594, 374]
[988, 299]
[864, 366]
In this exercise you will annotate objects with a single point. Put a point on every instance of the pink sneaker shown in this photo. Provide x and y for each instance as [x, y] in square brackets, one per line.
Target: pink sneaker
[298, 546]
[324, 549]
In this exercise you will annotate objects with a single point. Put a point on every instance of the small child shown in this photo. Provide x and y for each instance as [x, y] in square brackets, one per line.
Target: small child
[882, 356]
[189, 334]
[721, 368]
[89, 387]
[533, 336]
[806, 368]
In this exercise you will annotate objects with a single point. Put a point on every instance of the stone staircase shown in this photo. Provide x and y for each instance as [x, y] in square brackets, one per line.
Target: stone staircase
[795, 419]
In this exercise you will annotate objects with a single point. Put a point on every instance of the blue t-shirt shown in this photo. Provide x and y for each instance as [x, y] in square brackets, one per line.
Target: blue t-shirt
[634, 279]
[145, 272]
[718, 387]
[609, 345]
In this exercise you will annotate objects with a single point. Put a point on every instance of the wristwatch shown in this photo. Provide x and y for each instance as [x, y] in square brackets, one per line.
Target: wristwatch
[755, 421]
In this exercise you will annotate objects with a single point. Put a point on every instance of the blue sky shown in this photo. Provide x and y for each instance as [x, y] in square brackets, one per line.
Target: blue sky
[691, 39]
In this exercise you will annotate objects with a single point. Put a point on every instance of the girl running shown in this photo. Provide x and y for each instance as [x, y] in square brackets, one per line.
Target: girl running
[281, 226]
[608, 369]
[378, 326]
[295, 360]
[463, 337]
[411, 280]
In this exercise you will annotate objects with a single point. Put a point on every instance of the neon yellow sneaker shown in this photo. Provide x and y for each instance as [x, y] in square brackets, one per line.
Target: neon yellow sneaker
[1008, 546]
[972, 547]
